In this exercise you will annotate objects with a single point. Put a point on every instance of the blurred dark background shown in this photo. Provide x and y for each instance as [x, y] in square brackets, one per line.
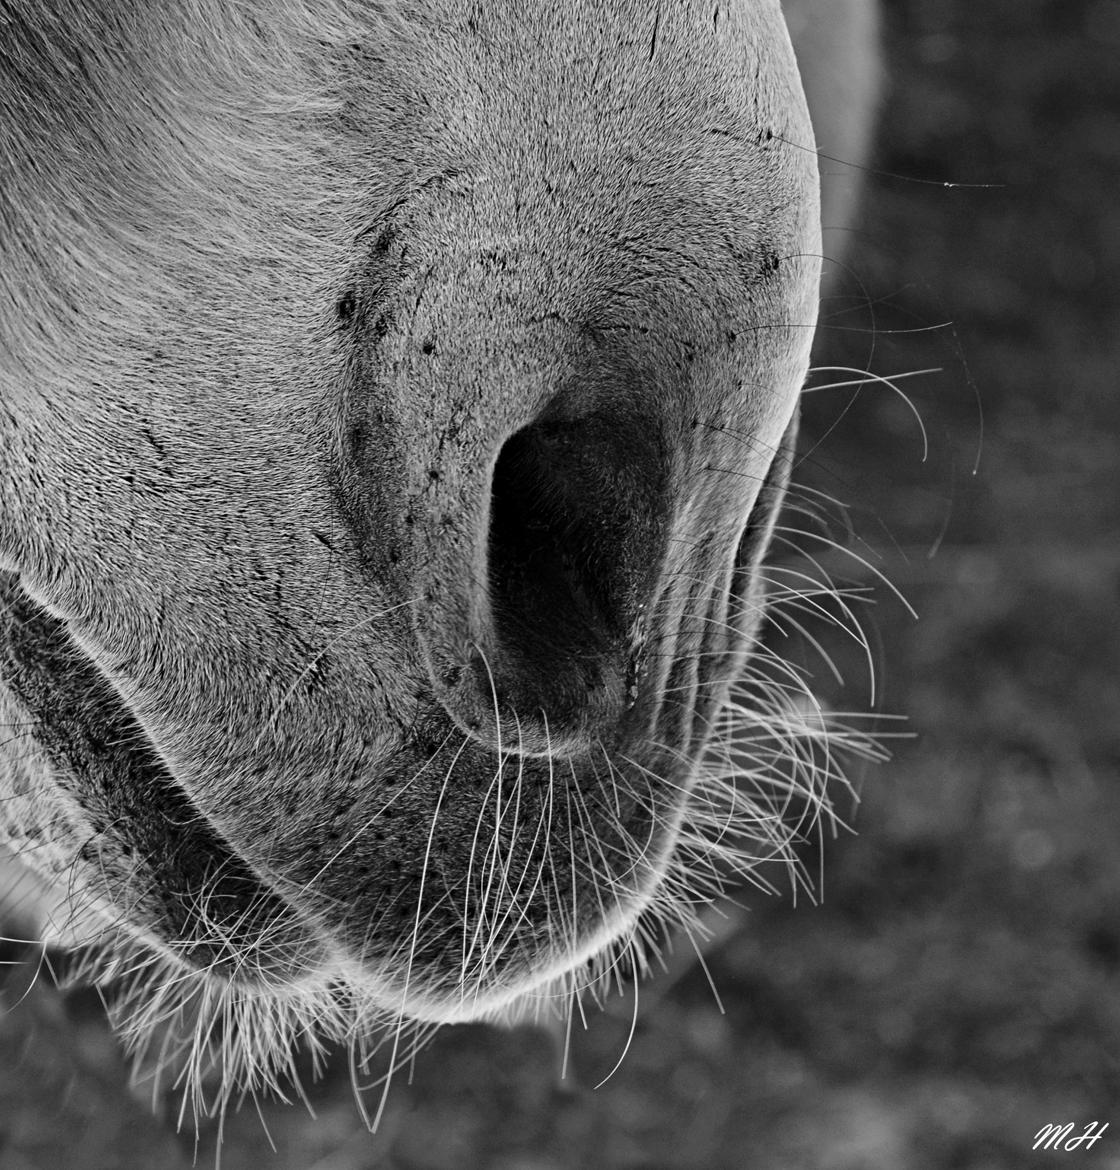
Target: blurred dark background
[958, 987]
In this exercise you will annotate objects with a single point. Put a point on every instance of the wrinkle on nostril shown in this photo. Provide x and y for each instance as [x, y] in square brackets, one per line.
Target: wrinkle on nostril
[594, 590]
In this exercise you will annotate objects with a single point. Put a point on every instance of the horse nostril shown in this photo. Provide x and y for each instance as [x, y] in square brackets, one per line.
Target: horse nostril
[573, 548]
[549, 543]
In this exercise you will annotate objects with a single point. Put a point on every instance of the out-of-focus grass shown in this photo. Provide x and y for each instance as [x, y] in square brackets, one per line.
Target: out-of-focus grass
[959, 987]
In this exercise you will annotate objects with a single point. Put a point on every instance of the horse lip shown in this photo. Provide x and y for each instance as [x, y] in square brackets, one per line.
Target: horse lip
[134, 805]
[137, 819]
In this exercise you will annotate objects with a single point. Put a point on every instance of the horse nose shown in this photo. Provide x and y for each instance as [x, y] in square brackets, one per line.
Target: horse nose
[548, 646]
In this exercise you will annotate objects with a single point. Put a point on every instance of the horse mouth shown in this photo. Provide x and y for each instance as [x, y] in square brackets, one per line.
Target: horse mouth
[388, 891]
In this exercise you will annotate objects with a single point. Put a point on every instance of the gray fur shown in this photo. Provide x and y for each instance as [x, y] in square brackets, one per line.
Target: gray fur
[277, 283]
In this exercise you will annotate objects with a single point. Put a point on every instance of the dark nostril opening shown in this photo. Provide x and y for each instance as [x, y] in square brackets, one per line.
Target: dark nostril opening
[573, 539]
[548, 579]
